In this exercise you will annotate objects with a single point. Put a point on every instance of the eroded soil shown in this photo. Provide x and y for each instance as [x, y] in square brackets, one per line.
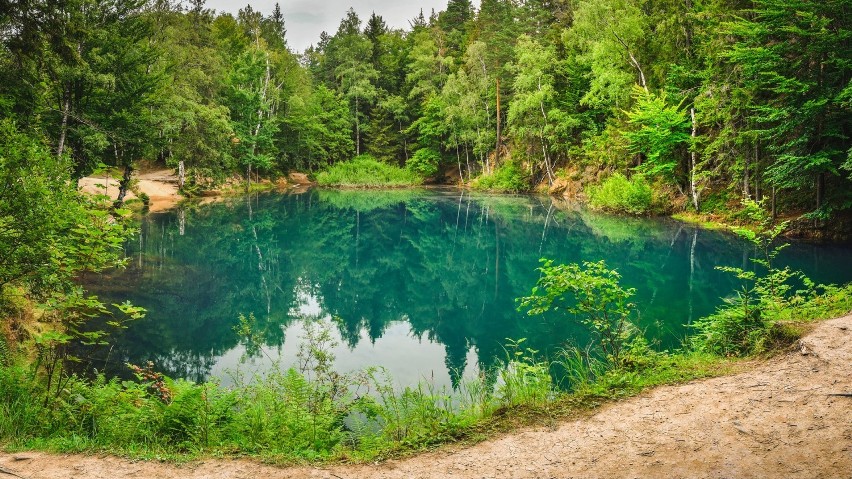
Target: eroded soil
[161, 186]
[790, 417]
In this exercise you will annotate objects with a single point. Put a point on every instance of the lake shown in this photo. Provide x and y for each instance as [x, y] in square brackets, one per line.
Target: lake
[420, 282]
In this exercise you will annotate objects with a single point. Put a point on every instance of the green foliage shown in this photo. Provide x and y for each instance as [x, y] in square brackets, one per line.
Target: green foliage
[313, 413]
[366, 171]
[659, 130]
[507, 178]
[621, 195]
[605, 33]
[591, 293]
[425, 162]
[524, 378]
[743, 324]
[319, 125]
[137, 80]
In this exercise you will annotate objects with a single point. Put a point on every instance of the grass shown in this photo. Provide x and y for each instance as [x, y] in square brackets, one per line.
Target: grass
[316, 415]
[366, 172]
[704, 221]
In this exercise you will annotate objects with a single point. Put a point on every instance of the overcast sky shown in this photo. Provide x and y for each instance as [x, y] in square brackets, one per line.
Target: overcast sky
[306, 19]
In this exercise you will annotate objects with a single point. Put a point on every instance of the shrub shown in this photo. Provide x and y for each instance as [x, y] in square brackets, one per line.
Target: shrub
[366, 171]
[618, 194]
[507, 177]
[743, 325]
[592, 293]
[425, 162]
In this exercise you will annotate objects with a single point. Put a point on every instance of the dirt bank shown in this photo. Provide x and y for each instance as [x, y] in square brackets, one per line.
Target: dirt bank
[783, 419]
[161, 186]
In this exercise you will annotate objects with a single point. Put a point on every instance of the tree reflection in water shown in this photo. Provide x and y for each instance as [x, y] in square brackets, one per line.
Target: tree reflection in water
[422, 282]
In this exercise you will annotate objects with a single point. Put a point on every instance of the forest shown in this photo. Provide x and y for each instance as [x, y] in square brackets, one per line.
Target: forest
[696, 103]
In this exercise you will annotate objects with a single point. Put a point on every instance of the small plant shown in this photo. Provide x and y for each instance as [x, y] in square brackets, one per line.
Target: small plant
[155, 381]
[525, 379]
[742, 325]
[593, 294]
[657, 131]
[146, 200]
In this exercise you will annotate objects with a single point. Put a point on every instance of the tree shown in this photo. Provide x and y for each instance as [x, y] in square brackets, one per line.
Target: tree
[251, 98]
[793, 66]
[49, 233]
[533, 101]
[428, 65]
[659, 130]
[349, 51]
[319, 129]
[609, 37]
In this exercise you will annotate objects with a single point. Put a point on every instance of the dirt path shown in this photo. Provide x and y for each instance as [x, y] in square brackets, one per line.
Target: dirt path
[161, 186]
[779, 420]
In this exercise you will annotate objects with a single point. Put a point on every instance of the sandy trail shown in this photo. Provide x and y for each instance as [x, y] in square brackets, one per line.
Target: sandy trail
[780, 420]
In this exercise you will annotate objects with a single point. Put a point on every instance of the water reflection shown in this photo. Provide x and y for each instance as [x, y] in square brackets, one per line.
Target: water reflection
[421, 282]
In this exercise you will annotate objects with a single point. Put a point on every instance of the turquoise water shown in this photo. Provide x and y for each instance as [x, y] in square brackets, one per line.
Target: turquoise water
[422, 283]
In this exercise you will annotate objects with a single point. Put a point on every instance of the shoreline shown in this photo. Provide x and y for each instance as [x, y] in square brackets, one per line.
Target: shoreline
[161, 186]
[782, 417]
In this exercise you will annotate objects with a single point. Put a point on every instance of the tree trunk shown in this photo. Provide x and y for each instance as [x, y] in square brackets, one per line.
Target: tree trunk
[63, 130]
[757, 173]
[467, 160]
[546, 161]
[820, 190]
[123, 185]
[543, 141]
[357, 130]
[404, 142]
[633, 62]
[774, 207]
[458, 158]
[497, 150]
[181, 175]
[693, 183]
[820, 195]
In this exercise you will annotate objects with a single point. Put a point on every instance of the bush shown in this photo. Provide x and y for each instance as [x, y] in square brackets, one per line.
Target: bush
[618, 194]
[425, 162]
[592, 293]
[507, 177]
[744, 324]
[365, 171]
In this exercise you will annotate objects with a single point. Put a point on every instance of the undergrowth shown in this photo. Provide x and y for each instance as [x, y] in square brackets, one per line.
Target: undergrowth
[618, 194]
[365, 171]
[506, 178]
[317, 415]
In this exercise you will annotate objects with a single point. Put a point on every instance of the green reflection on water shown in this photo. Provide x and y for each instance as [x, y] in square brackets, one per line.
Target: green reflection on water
[420, 281]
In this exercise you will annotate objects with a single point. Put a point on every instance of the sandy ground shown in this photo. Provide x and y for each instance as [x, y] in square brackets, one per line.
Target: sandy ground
[787, 418]
[161, 186]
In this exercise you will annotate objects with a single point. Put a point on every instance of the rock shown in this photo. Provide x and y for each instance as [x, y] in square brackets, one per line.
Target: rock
[299, 179]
